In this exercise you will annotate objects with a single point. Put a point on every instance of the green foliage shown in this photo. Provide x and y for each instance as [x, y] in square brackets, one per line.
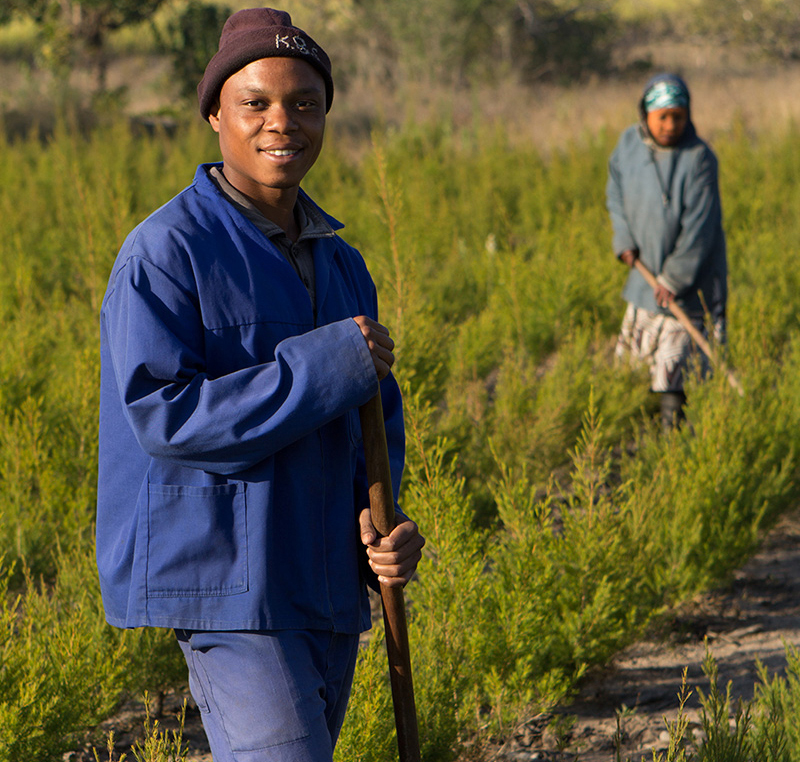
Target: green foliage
[677, 729]
[723, 740]
[71, 207]
[73, 27]
[559, 518]
[636, 531]
[776, 705]
[563, 42]
[368, 733]
[763, 729]
[448, 606]
[712, 488]
[61, 668]
[158, 745]
[483, 40]
[771, 715]
[772, 28]
[447, 615]
[190, 39]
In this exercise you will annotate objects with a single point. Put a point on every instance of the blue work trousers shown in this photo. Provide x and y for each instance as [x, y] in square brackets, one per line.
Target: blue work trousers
[270, 696]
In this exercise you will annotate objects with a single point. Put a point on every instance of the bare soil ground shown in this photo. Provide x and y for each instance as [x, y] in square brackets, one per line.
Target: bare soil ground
[753, 619]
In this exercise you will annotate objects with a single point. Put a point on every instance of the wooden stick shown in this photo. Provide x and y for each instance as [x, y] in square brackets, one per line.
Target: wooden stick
[690, 327]
[381, 502]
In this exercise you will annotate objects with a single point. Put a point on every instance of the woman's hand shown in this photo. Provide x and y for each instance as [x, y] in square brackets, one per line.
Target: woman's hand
[663, 295]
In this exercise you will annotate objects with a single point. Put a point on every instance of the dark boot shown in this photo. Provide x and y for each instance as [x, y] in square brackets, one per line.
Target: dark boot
[672, 410]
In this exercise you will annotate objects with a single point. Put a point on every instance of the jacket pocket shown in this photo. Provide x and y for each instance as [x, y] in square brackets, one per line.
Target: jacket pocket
[197, 540]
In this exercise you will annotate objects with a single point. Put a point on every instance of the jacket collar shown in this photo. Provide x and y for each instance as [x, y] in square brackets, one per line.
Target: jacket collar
[206, 186]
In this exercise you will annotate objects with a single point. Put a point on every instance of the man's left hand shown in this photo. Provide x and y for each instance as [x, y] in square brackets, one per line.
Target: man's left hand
[393, 558]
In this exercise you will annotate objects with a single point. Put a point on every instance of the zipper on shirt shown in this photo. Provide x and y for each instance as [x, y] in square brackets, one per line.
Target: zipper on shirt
[666, 190]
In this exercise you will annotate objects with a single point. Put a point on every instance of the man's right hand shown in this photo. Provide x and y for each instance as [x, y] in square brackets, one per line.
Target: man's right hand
[379, 342]
[629, 256]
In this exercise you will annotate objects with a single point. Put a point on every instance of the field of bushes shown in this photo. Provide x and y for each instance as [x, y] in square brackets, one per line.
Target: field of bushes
[560, 520]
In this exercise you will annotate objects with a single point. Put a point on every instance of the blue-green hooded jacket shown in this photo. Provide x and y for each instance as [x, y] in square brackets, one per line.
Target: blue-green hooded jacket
[665, 202]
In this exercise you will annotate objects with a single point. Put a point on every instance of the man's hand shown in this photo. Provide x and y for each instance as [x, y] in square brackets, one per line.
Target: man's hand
[629, 256]
[379, 342]
[394, 558]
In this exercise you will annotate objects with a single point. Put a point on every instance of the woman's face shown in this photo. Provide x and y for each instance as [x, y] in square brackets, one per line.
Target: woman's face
[666, 125]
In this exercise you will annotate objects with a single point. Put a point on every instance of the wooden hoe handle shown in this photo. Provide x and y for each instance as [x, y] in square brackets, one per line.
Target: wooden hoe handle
[686, 322]
[381, 503]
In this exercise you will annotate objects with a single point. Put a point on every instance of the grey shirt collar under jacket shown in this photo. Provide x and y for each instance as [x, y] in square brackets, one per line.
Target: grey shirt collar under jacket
[309, 220]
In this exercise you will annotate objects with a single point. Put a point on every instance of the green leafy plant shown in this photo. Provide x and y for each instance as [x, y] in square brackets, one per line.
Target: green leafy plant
[157, 745]
[560, 520]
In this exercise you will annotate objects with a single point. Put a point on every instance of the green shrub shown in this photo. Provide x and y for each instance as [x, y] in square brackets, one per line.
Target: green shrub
[61, 667]
[559, 519]
[190, 39]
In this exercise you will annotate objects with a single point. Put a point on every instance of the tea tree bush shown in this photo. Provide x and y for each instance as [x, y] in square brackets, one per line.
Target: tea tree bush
[66, 208]
[762, 729]
[158, 745]
[559, 518]
[60, 667]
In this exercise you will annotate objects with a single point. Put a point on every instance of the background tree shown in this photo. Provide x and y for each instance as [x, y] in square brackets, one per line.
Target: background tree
[763, 26]
[469, 41]
[74, 28]
[190, 39]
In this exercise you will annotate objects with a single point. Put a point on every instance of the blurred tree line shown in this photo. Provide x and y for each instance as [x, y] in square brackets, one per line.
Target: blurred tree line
[70, 28]
[468, 40]
[389, 42]
[770, 27]
[453, 40]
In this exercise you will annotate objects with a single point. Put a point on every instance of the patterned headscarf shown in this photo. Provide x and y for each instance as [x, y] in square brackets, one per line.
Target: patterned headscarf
[668, 91]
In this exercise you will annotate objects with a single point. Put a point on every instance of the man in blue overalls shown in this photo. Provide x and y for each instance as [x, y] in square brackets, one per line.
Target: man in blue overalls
[239, 337]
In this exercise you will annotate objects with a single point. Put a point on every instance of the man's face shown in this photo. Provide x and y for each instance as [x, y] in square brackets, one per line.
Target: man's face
[270, 121]
[666, 125]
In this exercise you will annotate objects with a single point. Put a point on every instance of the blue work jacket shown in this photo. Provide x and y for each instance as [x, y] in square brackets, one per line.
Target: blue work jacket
[231, 470]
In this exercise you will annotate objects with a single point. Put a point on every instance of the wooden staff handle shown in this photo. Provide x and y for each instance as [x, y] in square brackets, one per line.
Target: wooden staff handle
[690, 327]
[381, 501]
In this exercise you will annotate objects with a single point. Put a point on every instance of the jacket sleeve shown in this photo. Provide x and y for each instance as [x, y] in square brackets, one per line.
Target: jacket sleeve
[700, 222]
[226, 424]
[623, 238]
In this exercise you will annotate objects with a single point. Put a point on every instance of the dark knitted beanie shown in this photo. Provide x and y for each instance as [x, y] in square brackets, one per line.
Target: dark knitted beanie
[256, 33]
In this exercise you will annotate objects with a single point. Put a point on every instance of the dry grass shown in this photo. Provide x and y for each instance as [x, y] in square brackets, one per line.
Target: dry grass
[728, 88]
[761, 98]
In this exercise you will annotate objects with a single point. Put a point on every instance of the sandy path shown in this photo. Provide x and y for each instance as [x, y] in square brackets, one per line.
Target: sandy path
[752, 619]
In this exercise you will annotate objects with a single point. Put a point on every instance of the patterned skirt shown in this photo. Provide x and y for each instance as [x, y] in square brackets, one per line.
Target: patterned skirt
[664, 344]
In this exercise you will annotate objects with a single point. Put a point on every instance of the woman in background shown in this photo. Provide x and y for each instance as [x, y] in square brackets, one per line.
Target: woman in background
[663, 199]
